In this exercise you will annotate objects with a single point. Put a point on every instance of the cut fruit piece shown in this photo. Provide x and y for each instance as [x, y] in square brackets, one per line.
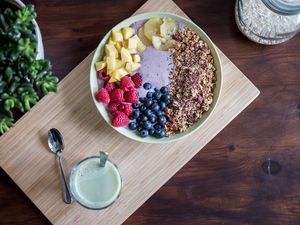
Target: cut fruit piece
[152, 27]
[125, 55]
[142, 37]
[112, 79]
[119, 64]
[130, 67]
[111, 42]
[127, 32]
[168, 28]
[110, 50]
[162, 43]
[123, 72]
[140, 46]
[115, 74]
[125, 44]
[136, 58]
[111, 63]
[100, 65]
[132, 50]
[132, 42]
[116, 35]
[118, 46]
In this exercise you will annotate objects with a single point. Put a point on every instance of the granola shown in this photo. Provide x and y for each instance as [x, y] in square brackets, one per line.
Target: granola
[191, 82]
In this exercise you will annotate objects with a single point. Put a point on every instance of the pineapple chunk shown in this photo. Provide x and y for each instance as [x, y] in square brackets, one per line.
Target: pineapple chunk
[132, 42]
[127, 32]
[136, 58]
[130, 67]
[110, 50]
[116, 35]
[132, 50]
[111, 63]
[111, 42]
[116, 75]
[125, 55]
[122, 72]
[112, 79]
[118, 46]
[100, 65]
[140, 46]
[119, 64]
[125, 44]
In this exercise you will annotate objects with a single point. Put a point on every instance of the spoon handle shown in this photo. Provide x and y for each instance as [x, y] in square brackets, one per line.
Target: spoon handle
[66, 190]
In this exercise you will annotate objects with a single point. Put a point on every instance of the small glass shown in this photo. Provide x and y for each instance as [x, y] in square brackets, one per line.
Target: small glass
[95, 182]
[268, 21]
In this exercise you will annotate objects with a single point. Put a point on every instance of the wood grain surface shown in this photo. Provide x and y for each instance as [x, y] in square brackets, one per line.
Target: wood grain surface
[224, 183]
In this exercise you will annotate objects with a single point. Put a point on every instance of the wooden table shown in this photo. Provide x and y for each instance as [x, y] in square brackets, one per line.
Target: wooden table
[225, 182]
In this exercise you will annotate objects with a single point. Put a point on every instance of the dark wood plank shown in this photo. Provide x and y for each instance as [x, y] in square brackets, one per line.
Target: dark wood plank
[224, 183]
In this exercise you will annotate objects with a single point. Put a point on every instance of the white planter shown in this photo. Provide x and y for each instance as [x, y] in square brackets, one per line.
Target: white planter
[40, 47]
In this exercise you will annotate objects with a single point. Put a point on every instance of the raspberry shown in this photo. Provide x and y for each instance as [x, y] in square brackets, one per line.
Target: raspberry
[117, 95]
[128, 109]
[102, 74]
[137, 80]
[113, 107]
[103, 96]
[126, 83]
[120, 119]
[131, 96]
[121, 107]
[110, 87]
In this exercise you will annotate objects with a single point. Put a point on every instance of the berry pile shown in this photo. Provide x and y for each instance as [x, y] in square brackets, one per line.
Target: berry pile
[148, 117]
[119, 96]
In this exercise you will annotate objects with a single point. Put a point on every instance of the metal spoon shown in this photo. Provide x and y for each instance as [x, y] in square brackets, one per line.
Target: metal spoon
[56, 145]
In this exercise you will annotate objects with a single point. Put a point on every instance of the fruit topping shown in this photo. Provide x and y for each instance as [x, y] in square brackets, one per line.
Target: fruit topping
[102, 74]
[117, 95]
[137, 80]
[120, 119]
[113, 107]
[126, 83]
[110, 87]
[131, 96]
[103, 96]
[128, 109]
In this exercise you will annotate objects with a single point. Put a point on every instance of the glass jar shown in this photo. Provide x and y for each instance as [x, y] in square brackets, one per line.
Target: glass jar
[268, 21]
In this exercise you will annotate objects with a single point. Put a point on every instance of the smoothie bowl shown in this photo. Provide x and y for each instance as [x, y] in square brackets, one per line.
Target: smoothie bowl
[156, 77]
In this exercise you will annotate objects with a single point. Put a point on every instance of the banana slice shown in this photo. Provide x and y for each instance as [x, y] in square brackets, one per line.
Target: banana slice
[162, 44]
[143, 37]
[152, 27]
[168, 28]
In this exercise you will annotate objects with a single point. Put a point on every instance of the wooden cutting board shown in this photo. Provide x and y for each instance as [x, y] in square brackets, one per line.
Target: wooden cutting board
[144, 167]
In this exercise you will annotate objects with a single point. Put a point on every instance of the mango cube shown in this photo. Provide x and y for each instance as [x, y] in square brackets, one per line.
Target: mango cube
[125, 55]
[127, 32]
[140, 46]
[132, 50]
[136, 58]
[112, 79]
[130, 67]
[115, 74]
[110, 50]
[132, 43]
[111, 63]
[116, 35]
[119, 63]
[100, 65]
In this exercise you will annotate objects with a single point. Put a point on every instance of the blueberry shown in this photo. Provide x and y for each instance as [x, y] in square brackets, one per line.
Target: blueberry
[142, 99]
[151, 131]
[159, 133]
[140, 128]
[155, 107]
[156, 89]
[131, 117]
[157, 127]
[143, 108]
[162, 120]
[143, 118]
[149, 94]
[159, 113]
[162, 105]
[132, 126]
[165, 97]
[147, 125]
[135, 105]
[148, 112]
[164, 90]
[147, 86]
[152, 118]
[157, 95]
[154, 100]
[148, 102]
[135, 113]
[144, 133]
